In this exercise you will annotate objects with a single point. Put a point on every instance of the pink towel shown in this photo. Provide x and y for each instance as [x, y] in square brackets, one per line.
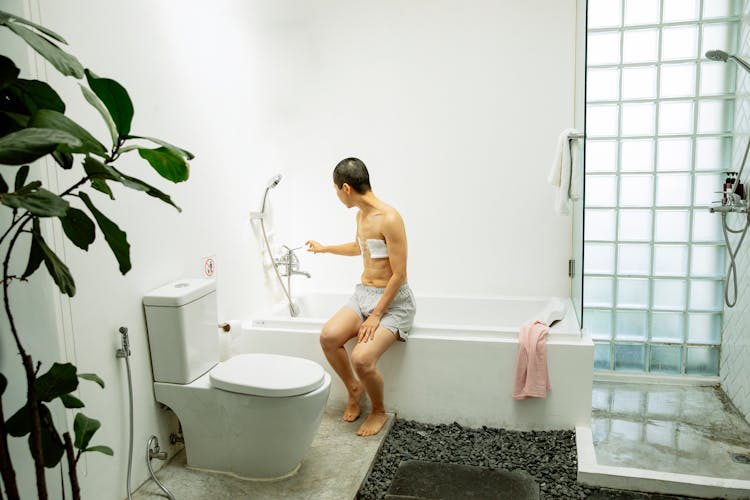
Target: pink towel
[532, 377]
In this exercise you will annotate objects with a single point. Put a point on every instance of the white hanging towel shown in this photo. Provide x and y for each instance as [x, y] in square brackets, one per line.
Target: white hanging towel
[567, 170]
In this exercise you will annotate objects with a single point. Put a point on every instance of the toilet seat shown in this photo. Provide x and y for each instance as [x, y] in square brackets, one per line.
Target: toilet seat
[269, 375]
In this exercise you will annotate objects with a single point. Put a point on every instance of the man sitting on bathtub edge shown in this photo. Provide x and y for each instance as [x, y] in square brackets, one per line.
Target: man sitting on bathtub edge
[382, 308]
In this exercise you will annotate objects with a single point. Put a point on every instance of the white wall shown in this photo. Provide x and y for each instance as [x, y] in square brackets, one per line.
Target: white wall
[735, 349]
[454, 107]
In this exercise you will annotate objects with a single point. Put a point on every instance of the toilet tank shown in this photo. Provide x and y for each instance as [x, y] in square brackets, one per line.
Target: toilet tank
[181, 321]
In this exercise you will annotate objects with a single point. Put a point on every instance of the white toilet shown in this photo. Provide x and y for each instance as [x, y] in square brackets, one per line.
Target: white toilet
[254, 415]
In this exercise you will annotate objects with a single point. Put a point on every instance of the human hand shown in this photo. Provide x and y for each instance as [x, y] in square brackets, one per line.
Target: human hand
[313, 246]
[367, 329]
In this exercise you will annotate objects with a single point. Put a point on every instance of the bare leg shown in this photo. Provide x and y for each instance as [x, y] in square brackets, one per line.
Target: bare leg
[336, 332]
[365, 357]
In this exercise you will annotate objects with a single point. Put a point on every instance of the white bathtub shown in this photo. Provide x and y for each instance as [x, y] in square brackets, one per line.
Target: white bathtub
[458, 363]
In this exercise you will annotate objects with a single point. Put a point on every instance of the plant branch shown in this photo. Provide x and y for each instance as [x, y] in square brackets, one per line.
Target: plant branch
[76, 490]
[28, 364]
[6, 467]
[6, 283]
[15, 221]
[74, 186]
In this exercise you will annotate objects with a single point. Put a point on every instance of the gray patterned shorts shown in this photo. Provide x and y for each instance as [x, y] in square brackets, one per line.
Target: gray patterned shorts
[399, 316]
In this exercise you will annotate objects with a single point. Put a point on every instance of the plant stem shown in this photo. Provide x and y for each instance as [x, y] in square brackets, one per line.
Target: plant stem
[6, 467]
[28, 364]
[76, 490]
[74, 186]
[15, 221]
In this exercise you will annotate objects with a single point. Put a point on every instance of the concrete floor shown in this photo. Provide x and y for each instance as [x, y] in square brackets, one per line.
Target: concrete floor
[334, 469]
[683, 429]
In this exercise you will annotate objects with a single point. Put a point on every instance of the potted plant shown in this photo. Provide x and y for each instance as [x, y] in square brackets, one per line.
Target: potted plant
[33, 125]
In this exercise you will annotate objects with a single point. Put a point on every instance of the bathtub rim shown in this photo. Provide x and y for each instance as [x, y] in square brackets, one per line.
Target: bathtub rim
[567, 329]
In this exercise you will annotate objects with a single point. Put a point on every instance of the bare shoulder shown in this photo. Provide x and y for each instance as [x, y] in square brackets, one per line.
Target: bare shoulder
[391, 215]
[392, 222]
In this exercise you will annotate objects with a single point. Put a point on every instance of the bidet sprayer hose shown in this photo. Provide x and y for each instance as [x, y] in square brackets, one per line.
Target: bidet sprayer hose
[126, 354]
[151, 470]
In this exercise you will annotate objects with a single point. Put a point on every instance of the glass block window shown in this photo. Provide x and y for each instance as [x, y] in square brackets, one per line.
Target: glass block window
[659, 135]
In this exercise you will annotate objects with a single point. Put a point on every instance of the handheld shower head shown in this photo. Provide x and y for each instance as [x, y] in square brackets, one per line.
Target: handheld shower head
[720, 55]
[717, 55]
[274, 181]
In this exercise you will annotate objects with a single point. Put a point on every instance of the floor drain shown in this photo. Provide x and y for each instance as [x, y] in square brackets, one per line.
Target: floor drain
[741, 458]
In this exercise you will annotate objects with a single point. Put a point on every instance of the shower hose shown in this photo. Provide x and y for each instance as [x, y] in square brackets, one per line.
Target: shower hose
[292, 309]
[732, 269]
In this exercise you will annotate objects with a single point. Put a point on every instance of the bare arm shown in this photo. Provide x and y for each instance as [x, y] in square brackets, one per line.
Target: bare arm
[349, 249]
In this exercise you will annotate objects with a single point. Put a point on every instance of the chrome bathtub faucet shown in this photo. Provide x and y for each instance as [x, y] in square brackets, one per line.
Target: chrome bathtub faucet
[288, 263]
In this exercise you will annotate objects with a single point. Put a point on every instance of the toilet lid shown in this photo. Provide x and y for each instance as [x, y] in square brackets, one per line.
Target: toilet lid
[270, 375]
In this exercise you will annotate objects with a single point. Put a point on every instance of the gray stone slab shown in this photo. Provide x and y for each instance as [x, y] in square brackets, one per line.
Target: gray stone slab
[334, 469]
[417, 479]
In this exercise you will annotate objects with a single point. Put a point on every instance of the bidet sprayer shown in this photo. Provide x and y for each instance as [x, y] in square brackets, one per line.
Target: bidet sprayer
[125, 350]
[720, 55]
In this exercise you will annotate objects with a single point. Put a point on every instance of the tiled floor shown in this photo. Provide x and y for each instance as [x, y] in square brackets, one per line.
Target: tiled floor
[669, 428]
[334, 469]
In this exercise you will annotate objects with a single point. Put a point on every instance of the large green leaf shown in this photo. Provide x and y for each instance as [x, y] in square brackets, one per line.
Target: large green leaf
[10, 121]
[138, 184]
[3, 185]
[8, 71]
[69, 401]
[29, 96]
[115, 237]
[52, 446]
[21, 176]
[115, 98]
[25, 146]
[65, 63]
[47, 118]
[60, 379]
[39, 202]
[19, 424]
[65, 160]
[84, 428]
[167, 163]
[93, 377]
[182, 152]
[101, 449]
[56, 268]
[102, 186]
[99, 106]
[36, 257]
[79, 228]
[98, 170]
[5, 17]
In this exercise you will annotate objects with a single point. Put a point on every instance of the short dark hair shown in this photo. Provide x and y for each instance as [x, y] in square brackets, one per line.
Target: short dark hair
[353, 172]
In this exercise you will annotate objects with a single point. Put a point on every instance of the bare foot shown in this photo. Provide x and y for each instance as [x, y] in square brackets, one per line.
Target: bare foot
[373, 424]
[352, 406]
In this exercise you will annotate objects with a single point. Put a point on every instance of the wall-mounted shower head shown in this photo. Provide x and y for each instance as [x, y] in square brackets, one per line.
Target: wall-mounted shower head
[274, 181]
[720, 55]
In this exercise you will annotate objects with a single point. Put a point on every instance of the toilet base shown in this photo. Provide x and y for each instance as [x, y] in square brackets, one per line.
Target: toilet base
[250, 437]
